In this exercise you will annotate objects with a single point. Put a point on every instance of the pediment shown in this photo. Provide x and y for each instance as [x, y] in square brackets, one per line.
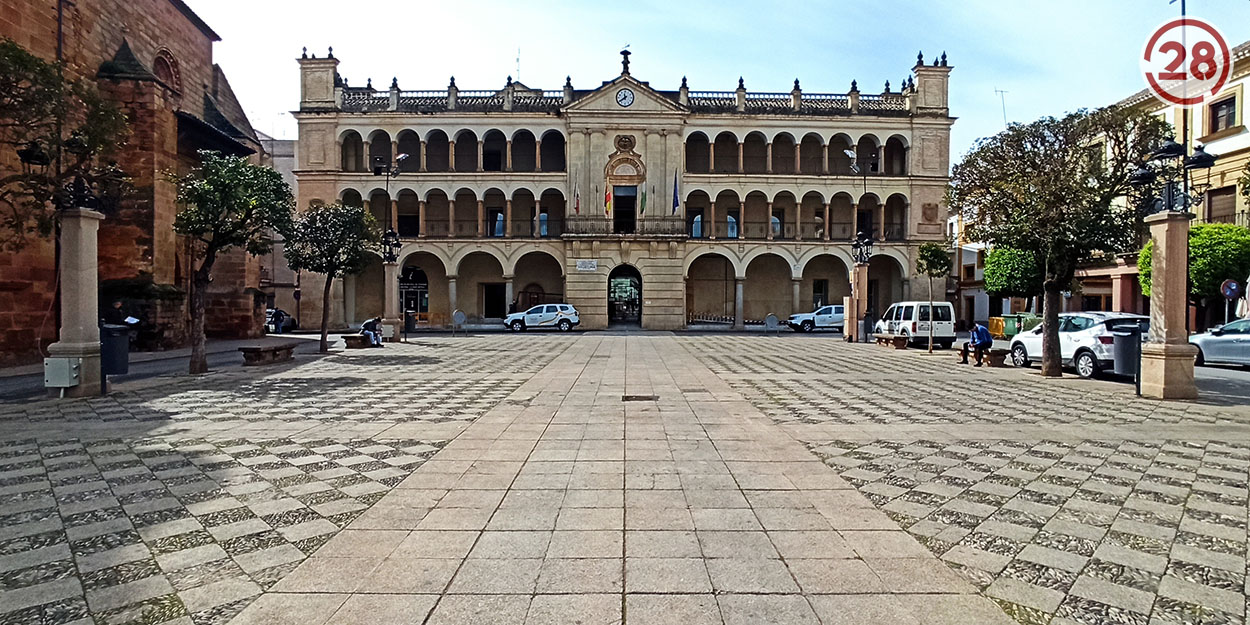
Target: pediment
[604, 99]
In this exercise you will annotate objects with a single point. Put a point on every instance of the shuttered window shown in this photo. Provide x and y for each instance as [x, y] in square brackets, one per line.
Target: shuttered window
[1221, 205]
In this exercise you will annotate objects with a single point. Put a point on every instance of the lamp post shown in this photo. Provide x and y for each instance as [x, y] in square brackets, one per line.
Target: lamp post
[861, 253]
[390, 251]
[1167, 359]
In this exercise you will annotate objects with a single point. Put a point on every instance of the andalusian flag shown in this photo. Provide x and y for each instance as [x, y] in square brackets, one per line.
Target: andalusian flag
[676, 198]
[607, 201]
[577, 200]
[642, 205]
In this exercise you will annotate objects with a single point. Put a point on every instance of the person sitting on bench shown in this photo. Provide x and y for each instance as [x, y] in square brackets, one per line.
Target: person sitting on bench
[372, 330]
[981, 341]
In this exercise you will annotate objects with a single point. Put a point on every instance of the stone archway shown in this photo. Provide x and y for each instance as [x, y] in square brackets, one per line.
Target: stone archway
[624, 296]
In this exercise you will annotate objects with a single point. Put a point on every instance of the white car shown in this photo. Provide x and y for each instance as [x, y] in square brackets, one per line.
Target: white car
[911, 319]
[823, 318]
[561, 316]
[1085, 341]
[1229, 343]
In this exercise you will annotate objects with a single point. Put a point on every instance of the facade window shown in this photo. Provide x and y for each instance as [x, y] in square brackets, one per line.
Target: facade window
[820, 293]
[776, 226]
[696, 226]
[542, 224]
[1222, 205]
[732, 231]
[1222, 115]
[496, 218]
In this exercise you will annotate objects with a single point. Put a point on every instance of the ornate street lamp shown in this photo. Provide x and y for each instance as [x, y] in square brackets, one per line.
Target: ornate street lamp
[861, 248]
[390, 238]
[1192, 191]
[34, 159]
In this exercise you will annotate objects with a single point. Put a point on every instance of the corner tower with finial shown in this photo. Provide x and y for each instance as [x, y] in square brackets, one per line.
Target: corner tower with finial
[932, 87]
[625, 62]
[317, 81]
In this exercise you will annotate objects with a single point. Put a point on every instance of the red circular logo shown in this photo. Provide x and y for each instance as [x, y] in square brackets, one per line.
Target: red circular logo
[1186, 61]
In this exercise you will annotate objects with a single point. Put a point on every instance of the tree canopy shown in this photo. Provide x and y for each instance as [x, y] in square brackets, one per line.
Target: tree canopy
[1217, 252]
[933, 260]
[1010, 272]
[1057, 188]
[63, 125]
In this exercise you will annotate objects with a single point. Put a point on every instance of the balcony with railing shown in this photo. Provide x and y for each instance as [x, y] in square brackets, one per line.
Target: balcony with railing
[1241, 218]
[601, 226]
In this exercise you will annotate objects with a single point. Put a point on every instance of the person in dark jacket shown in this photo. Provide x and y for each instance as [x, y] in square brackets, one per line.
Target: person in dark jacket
[114, 314]
[981, 341]
[372, 329]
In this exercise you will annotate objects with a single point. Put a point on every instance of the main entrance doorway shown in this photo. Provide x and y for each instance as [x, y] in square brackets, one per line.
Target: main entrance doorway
[624, 214]
[624, 296]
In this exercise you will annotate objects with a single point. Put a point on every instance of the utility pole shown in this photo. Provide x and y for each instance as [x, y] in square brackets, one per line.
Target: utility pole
[1002, 97]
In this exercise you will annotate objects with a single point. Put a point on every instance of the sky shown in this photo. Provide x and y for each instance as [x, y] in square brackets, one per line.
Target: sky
[1048, 57]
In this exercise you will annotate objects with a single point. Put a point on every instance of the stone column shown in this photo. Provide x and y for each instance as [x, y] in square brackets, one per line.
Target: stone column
[507, 154]
[711, 157]
[739, 322]
[796, 294]
[854, 221]
[711, 224]
[507, 290]
[394, 154]
[507, 218]
[824, 160]
[768, 221]
[798, 220]
[481, 219]
[768, 158]
[828, 226]
[797, 158]
[740, 167]
[423, 156]
[451, 219]
[451, 297]
[421, 219]
[1167, 360]
[79, 338]
[394, 225]
[859, 302]
[538, 210]
[881, 220]
[881, 160]
[538, 155]
[451, 155]
[481, 148]
[390, 300]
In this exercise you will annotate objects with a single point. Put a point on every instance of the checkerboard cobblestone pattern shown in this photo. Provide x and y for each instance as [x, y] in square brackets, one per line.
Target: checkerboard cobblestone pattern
[1091, 533]
[156, 531]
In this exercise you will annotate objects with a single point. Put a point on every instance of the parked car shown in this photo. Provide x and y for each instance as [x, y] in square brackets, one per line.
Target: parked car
[1229, 344]
[561, 316]
[1085, 341]
[823, 318]
[911, 319]
[289, 323]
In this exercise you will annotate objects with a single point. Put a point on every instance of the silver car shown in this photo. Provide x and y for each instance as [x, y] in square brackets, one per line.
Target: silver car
[1228, 344]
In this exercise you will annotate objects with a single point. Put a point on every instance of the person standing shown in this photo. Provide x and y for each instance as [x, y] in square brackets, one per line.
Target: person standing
[279, 319]
[981, 341]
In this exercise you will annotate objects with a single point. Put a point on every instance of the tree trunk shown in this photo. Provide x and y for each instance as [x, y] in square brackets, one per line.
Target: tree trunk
[199, 301]
[325, 315]
[932, 315]
[1052, 361]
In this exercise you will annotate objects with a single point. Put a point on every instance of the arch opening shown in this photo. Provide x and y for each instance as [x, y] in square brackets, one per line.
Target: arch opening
[624, 296]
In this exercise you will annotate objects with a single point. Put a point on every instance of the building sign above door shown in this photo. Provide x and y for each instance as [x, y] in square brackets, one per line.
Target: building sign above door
[588, 265]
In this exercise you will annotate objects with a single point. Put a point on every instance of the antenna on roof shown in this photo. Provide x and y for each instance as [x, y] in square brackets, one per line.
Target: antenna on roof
[518, 64]
[1002, 96]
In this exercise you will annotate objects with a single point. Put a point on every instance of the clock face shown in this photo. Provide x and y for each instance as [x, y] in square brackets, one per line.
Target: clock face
[625, 97]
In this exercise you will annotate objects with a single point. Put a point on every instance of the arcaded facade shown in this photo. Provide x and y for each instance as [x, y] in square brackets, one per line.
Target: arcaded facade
[666, 209]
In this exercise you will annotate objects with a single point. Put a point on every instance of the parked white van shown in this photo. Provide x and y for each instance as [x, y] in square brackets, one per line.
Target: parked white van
[911, 319]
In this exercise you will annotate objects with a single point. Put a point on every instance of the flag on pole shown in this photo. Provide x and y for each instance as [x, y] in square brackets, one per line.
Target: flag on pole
[642, 204]
[577, 199]
[676, 197]
[607, 201]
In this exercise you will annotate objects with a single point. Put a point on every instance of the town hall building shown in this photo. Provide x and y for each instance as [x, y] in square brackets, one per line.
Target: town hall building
[660, 208]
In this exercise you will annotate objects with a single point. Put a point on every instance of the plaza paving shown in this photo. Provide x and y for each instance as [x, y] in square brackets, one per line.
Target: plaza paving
[637, 478]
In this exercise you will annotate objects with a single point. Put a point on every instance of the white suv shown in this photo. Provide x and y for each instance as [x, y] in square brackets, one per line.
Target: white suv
[826, 317]
[1085, 340]
[562, 316]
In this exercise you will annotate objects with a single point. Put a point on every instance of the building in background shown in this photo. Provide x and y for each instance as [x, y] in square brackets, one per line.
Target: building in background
[664, 208]
[154, 58]
[1219, 126]
[277, 281]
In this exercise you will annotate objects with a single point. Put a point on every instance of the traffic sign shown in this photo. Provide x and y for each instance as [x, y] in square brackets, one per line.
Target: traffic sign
[1231, 289]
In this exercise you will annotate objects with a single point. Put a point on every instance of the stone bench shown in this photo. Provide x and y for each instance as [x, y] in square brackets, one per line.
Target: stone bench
[897, 341]
[995, 357]
[355, 341]
[256, 355]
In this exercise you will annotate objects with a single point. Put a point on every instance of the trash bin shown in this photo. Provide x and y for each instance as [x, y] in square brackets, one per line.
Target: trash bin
[1126, 349]
[997, 329]
[1011, 325]
[114, 349]
[410, 321]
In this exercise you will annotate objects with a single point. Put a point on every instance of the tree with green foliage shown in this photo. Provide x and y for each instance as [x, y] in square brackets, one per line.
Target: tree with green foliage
[64, 129]
[1010, 272]
[1055, 188]
[333, 240]
[227, 203]
[934, 261]
[1217, 252]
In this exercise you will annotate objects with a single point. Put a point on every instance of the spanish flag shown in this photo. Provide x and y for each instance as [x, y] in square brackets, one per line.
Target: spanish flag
[607, 201]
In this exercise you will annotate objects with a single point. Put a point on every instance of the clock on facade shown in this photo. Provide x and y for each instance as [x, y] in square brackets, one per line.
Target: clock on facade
[625, 97]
